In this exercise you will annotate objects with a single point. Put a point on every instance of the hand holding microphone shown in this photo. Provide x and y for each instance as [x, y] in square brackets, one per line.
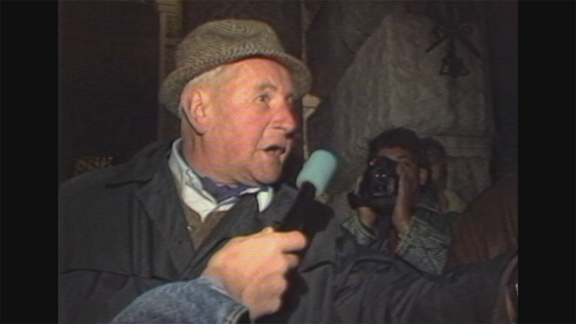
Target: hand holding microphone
[253, 268]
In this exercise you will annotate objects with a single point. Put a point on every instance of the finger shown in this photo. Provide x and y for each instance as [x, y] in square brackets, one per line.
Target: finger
[357, 184]
[290, 241]
[274, 286]
[407, 169]
[267, 230]
[292, 260]
[273, 305]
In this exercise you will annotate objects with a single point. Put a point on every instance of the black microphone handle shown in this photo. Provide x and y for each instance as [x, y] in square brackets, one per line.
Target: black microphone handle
[296, 218]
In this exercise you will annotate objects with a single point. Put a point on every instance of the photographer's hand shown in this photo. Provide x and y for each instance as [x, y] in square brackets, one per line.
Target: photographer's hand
[408, 193]
[365, 214]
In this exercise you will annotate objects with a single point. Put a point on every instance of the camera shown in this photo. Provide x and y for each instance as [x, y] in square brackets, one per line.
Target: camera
[380, 179]
[379, 185]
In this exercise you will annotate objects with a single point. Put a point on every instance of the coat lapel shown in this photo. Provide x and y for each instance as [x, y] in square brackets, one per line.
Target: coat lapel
[170, 247]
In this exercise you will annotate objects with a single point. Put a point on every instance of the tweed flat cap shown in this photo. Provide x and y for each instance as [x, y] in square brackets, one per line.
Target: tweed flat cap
[225, 41]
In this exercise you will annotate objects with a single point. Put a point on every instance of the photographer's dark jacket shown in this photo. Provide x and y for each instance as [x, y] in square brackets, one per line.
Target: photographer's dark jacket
[122, 231]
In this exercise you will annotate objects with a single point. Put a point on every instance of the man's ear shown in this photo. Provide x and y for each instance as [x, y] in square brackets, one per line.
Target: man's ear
[194, 109]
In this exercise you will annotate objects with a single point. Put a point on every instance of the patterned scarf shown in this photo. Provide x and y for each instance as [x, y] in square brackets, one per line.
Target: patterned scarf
[221, 191]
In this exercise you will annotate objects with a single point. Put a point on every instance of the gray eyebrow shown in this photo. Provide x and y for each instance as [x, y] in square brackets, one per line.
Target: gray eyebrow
[265, 85]
[268, 85]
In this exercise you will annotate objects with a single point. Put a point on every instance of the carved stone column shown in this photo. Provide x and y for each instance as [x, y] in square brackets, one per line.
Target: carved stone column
[170, 34]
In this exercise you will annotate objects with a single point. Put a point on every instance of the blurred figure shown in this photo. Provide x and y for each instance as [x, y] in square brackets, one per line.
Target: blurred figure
[489, 225]
[448, 200]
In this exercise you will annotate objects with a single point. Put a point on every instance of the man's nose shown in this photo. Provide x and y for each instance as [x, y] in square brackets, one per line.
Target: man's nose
[286, 118]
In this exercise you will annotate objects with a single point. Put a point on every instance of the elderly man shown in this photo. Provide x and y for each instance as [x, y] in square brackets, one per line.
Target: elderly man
[161, 217]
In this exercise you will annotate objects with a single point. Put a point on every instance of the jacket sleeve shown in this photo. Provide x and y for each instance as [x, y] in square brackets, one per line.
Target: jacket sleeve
[197, 301]
[426, 243]
[395, 294]
[364, 235]
[424, 246]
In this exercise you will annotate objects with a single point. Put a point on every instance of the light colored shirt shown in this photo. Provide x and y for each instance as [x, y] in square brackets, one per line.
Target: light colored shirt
[193, 194]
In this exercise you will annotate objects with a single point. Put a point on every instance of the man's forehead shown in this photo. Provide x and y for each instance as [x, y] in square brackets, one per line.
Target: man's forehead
[263, 74]
[396, 151]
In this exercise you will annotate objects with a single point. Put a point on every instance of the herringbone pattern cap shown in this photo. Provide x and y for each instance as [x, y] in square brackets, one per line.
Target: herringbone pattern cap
[225, 41]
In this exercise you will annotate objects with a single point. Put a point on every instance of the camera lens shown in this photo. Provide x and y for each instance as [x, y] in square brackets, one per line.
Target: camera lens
[384, 179]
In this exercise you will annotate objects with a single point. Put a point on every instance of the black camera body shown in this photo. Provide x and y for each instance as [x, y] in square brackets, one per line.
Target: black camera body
[379, 185]
[380, 179]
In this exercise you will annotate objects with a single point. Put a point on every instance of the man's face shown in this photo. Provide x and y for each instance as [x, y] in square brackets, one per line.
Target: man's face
[252, 123]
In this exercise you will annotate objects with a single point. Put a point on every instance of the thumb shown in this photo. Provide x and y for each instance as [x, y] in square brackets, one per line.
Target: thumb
[267, 230]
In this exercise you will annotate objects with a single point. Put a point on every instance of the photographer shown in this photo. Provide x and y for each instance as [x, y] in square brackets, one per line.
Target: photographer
[397, 208]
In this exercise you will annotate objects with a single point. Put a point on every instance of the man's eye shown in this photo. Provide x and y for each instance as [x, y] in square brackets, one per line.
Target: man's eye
[264, 97]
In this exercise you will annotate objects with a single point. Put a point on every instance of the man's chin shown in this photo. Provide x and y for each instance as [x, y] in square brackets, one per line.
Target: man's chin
[267, 178]
[268, 172]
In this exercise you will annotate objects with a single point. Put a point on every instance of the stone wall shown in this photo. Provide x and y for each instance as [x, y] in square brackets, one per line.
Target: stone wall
[393, 82]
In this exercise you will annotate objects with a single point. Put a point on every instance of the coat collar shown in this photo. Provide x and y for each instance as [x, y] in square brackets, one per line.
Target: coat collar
[143, 165]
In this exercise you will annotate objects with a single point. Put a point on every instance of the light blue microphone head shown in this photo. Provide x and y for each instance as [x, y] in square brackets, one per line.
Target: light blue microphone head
[318, 170]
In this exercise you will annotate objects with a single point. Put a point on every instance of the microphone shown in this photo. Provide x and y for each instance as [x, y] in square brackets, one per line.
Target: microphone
[311, 181]
[316, 173]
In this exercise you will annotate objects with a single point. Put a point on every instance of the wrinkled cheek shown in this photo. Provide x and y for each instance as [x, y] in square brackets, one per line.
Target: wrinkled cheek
[270, 169]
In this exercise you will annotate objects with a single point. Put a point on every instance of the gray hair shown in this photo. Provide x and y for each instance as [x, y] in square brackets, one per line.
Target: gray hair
[208, 78]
